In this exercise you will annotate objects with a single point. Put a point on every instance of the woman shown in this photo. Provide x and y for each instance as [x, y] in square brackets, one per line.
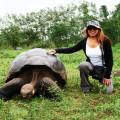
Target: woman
[99, 62]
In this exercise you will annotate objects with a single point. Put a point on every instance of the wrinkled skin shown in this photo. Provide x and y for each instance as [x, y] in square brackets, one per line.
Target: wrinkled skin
[29, 81]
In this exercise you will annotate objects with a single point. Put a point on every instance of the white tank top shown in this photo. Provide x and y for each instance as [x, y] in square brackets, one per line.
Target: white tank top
[95, 55]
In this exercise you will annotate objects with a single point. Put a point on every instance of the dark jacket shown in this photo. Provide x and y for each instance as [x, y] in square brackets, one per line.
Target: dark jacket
[107, 56]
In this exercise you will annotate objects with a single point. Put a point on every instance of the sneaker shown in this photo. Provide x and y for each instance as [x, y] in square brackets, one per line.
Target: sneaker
[109, 89]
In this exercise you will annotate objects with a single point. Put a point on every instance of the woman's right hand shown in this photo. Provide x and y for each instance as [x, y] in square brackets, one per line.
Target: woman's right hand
[51, 52]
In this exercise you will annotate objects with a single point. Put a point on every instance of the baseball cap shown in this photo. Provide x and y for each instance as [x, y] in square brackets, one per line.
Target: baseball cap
[94, 23]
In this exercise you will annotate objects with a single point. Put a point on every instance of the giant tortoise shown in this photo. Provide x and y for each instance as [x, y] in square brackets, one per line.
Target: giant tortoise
[33, 71]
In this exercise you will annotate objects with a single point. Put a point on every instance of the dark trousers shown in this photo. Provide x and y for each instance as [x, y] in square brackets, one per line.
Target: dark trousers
[85, 69]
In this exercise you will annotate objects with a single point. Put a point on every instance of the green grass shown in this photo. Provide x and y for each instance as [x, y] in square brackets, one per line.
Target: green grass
[74, 105]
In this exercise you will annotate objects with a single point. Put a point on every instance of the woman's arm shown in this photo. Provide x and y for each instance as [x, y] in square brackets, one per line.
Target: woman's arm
[75, 48]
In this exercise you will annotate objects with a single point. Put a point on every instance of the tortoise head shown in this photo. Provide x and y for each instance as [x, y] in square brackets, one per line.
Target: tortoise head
[27, 91]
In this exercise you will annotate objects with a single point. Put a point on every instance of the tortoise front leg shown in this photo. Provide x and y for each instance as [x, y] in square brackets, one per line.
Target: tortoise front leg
[10, 88]
[50, 89]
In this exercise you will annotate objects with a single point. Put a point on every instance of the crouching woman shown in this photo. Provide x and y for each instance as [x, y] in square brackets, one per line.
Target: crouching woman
[97, 48]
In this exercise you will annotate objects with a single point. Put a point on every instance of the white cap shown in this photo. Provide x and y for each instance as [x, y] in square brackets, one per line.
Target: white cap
[94, 23]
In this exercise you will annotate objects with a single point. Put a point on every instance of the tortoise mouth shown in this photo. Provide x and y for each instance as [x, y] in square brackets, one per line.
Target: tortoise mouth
[27, 95]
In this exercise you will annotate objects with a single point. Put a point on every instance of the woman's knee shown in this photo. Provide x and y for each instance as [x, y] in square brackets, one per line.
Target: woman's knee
[84, 65]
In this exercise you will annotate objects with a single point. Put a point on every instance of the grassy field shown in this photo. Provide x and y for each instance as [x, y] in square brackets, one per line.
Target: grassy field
[74, 105]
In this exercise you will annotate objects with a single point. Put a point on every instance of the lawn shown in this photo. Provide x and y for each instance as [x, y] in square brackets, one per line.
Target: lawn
[74, 104]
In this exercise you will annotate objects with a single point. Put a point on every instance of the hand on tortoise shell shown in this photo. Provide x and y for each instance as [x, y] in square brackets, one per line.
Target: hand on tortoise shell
[51, 52]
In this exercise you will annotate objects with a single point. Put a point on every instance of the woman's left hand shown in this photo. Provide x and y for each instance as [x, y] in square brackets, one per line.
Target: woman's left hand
[106, 81]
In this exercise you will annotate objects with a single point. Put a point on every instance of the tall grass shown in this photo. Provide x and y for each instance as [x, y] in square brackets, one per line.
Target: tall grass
[74, 105]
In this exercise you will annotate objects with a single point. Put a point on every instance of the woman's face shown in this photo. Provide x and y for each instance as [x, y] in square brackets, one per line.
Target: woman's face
[92, 31]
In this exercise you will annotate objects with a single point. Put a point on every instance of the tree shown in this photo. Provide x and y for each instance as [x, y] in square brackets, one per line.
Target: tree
[104, 12]
[11, 36]
[111, 25]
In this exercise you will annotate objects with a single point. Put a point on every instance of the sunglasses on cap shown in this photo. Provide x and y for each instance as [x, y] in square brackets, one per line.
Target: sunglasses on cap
[92, 28]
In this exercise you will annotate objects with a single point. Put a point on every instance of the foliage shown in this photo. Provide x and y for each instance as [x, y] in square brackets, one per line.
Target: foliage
[61, 26]
[54, 93]
[111, 23]
[11, 36]
[103, 12]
